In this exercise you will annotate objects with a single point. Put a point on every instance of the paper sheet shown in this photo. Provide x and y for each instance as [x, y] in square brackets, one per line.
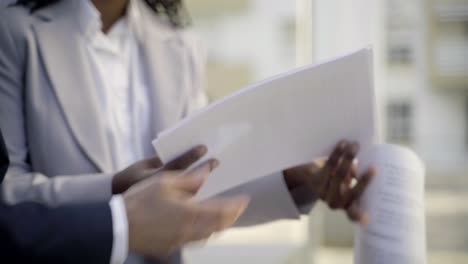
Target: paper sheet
[394, 200]
[284, 121]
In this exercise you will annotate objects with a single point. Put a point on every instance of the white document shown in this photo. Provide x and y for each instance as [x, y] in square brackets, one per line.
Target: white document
[281, 122]
[394, 200]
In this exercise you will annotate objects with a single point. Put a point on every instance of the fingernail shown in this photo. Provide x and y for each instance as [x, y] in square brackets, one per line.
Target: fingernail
[201, 150]
[214, 164]
[241, 204]
[364, 220]
[342, 144]
[354, 148]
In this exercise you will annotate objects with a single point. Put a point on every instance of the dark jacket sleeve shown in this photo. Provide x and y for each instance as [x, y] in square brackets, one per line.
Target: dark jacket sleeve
[34, 233]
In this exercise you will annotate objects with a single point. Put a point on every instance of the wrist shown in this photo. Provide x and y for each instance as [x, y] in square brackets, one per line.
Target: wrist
[120, 183]
[289, 179]
[114, 187]
[130, 212]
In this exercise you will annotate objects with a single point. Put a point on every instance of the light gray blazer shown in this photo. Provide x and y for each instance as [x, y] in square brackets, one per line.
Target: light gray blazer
[49, 115]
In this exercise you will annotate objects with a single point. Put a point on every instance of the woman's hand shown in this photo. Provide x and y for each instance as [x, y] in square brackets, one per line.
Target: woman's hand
[146, 168]
[332, 182]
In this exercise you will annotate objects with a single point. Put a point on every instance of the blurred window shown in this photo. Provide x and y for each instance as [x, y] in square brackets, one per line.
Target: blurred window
[247, 41]
[466, 122]
[400, 54]
[399, 117]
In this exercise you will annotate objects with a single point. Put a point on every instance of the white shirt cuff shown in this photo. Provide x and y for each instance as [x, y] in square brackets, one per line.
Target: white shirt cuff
[120, 230]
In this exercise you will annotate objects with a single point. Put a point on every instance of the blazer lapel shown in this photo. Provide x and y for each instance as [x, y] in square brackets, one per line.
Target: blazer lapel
[165, 56]
[62, 48]
[167, 83]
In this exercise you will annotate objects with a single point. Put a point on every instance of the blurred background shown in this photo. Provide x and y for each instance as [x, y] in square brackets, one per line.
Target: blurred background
[421, 69]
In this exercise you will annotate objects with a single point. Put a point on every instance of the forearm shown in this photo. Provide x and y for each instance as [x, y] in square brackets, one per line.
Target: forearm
[55, 191]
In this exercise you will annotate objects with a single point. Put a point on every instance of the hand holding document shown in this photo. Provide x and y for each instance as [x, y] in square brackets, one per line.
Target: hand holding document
[284, 121]
[394, 201]
[297, 117]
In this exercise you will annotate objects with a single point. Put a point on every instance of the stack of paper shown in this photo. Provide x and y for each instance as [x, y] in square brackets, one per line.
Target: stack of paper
[394, 201]
[281, 122]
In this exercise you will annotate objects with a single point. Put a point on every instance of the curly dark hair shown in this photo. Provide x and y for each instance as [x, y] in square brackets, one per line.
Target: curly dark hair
[173, 10]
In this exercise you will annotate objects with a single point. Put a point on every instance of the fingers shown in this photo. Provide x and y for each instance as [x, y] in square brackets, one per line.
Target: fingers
[215, 215]
[183, 186]
[355, 193]
[330, 168]
[337, 188]
[153, 163]
[191, 182]
[348, 181]
[336, 155]
[353, 211]
[186, 159]
[355, 214]
[203, 170]
[343, 170]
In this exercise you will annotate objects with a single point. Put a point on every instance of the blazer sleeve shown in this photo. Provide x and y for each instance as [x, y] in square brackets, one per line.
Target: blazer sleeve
[270, 197]
[4, 160]
[33, 233]
[21, 182]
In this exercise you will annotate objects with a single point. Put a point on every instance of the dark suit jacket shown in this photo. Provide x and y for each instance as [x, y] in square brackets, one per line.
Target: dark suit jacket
[33, 233]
